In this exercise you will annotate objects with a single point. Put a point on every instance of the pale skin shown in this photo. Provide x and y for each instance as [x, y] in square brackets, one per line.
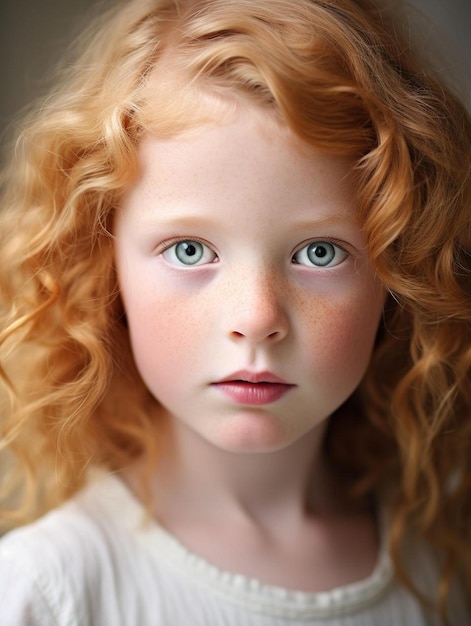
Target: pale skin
[239, 251]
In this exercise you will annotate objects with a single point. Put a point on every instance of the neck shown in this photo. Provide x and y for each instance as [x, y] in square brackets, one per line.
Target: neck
[274, 516]
[203, 483]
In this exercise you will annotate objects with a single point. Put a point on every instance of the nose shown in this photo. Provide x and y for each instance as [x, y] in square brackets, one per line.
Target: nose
[258, 310]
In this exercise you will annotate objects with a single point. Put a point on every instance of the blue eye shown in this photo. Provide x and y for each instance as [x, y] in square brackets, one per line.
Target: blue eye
[189, 253]
[320, 254]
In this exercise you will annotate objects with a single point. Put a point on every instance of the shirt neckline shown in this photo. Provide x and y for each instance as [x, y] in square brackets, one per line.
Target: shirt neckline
[239, 589]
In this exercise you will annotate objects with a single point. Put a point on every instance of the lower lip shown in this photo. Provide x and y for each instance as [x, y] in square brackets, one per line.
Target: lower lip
[254, 394]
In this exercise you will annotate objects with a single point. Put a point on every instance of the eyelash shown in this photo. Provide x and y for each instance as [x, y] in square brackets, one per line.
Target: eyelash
[338, 248]
[166, 246]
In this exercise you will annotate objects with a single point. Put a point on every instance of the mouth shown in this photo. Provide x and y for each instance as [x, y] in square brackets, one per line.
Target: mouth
[245, 376]
[253, 388]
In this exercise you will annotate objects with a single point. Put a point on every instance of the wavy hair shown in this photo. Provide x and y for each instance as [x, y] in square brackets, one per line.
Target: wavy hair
[341, 75]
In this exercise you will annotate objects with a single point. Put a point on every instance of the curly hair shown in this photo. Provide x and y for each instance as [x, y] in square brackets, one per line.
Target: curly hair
[341, 75]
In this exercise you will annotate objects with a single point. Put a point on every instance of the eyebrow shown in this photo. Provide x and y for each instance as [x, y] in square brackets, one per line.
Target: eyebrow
[202, 221]
[329, 220]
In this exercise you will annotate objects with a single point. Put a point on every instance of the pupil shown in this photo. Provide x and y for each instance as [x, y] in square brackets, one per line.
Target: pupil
[190, 249]
[320, 252]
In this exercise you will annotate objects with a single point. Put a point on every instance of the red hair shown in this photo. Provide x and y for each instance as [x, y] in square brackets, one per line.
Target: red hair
[340, 74]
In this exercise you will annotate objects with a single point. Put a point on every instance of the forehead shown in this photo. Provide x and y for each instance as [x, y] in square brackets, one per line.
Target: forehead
[247, 139]
[223, 166]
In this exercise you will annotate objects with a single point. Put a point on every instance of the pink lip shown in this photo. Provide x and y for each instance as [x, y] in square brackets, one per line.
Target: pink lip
[253, 377]
[253, 388]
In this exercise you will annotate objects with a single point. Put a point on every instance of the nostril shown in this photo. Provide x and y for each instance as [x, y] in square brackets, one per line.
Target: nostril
[269, 326]
[235, 334]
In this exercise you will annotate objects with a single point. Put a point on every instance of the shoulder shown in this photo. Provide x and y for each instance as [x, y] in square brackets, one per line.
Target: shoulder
[83, 530]
[57, 568]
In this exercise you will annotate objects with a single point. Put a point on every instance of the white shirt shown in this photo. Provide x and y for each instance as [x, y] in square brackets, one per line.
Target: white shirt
[95, 561]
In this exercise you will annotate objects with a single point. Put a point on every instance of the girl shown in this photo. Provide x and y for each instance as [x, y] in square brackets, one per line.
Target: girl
[235, 282]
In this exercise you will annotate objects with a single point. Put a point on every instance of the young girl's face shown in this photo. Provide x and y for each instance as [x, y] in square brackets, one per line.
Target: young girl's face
[251, 304]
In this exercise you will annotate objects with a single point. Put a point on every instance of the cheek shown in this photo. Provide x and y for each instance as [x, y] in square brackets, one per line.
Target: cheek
[164, 339]
[342, 335]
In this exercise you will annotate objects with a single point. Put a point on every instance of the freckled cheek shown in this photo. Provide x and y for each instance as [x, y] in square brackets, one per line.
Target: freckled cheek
[164, 336]
[341, 337]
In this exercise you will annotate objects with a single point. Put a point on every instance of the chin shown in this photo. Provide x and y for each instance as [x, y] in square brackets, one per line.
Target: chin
[252, 432]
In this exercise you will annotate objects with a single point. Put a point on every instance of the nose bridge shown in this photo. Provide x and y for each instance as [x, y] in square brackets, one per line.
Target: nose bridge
[258, 304]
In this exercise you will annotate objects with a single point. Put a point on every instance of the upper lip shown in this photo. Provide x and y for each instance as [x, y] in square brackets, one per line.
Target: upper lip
[253, 377]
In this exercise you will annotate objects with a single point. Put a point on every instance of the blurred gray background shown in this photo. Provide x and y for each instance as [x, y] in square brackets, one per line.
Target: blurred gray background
[34, 34]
